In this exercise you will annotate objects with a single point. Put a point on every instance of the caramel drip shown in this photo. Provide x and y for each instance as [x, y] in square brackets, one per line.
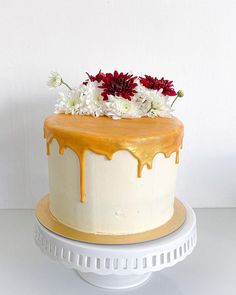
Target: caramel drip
[144, 138]
[177, 157]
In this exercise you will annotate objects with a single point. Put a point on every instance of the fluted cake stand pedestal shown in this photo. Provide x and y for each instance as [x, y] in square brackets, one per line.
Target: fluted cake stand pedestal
[119, 266]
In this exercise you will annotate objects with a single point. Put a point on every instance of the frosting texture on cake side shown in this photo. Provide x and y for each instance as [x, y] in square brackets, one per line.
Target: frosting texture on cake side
[117, 201]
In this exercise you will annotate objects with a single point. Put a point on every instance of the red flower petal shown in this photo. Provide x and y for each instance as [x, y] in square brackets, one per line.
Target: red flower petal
[98, 78]
[156, 84]
[118, 84]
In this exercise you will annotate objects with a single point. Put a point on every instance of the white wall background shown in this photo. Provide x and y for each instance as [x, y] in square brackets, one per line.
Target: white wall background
[191, 42]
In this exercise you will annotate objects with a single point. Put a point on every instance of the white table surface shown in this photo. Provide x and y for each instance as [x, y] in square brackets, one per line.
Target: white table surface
[211, 269]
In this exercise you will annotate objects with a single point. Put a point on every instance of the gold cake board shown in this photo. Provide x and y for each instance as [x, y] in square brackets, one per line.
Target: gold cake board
[46, 218]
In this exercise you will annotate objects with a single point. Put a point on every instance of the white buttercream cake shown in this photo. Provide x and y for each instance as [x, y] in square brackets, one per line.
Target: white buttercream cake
[113, 156]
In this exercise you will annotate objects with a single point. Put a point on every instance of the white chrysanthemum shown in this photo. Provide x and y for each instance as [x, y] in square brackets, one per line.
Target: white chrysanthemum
[91, 101]
[151, 102]
[85, 100]
[159, 107]
[117, 107]
[68, 103]
[54, 80]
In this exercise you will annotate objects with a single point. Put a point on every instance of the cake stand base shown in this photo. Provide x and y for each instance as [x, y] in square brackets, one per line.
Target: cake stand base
[119, 266]
[116, 282]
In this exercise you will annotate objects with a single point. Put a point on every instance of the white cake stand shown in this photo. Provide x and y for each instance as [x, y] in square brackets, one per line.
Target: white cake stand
[120, 266]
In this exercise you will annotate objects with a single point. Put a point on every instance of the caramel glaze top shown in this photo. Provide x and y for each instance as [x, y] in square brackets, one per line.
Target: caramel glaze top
[142, 137]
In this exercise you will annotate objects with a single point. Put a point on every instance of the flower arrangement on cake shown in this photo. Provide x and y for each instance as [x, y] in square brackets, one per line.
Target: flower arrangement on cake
[116, 95]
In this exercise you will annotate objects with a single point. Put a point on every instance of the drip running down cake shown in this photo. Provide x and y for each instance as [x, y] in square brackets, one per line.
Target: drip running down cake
[113, 150]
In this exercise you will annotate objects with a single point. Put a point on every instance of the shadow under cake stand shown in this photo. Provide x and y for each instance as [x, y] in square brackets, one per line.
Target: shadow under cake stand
[119, 266]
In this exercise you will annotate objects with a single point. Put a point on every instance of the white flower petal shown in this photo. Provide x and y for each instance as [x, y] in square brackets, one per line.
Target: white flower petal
[54, 80]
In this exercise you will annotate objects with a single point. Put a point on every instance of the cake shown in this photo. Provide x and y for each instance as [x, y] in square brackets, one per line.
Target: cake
[113, 151]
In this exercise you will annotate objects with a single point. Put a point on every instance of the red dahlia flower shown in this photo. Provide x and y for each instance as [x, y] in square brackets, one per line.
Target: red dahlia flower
[154, 83]
[118, 84]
